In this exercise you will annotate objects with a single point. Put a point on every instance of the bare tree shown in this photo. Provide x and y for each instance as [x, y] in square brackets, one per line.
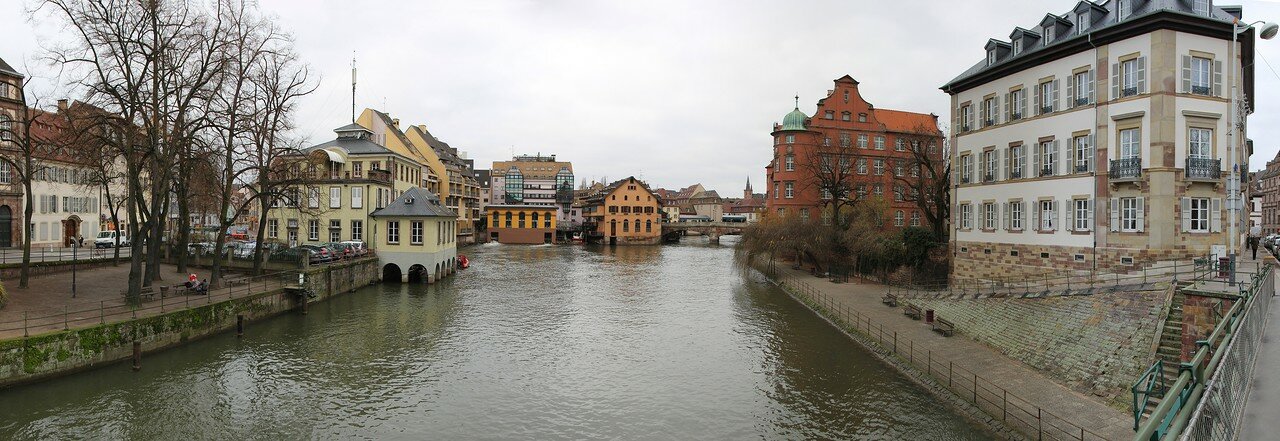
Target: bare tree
[928, 183]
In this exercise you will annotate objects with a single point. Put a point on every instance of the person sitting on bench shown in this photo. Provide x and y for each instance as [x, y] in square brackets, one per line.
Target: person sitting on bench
[203, 287]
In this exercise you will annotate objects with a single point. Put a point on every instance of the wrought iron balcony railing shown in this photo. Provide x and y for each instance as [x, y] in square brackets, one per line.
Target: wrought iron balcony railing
[964, 128]
[1046, 110]
[1015, 116]
[964, 179]
[1082, 168]
[1082, 101]
[990, 122]
[1046, 171]
[1015, 174]
[1204, 168]
[1200, 90]
[1126, 168]
[988, 178]
[1128, 91]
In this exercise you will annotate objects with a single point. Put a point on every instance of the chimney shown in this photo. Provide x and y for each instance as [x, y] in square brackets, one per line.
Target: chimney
[62, 104]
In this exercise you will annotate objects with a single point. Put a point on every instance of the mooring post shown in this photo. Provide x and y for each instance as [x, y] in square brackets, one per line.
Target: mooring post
[304, 303]
[239, 325]
[137, 355]
[64, 318]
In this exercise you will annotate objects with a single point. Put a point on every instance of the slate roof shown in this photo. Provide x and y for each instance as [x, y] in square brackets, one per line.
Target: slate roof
[1107, 19]
[415, 202]
[6, 68]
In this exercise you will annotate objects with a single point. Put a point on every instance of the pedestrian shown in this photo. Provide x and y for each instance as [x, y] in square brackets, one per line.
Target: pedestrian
[1253, 246]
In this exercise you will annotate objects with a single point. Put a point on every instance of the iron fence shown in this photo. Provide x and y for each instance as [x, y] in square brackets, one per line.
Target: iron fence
[61, 254]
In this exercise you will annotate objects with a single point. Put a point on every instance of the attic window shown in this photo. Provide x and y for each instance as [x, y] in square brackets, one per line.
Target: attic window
[1048, 34]
[1017, 47]
[1123, 8]
[1200, 7]
[1082, 22]
[991, 57]
[408, 201]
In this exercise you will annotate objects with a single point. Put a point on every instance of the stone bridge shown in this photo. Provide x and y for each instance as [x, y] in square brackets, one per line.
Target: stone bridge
[672, 231]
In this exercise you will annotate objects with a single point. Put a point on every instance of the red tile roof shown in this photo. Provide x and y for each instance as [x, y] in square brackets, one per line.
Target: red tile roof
[910, 122]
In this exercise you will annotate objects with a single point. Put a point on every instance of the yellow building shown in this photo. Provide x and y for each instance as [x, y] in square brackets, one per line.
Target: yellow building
[521, 224]
[414, 238]
[624, 212]
[343, 180]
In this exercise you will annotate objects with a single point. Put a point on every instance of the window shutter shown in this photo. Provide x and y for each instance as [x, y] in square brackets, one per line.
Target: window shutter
[1088, 210]
[1115, 81]
[959, 113]
[1035, 110]
[1071, 92]
[1186, 74]
[1004, 208]
[1007, 99]
[1186, 214]
[1091, 80]
[1034, 208]
[1142, 216]
[1035, 162]
[1215, 215]
[999, 156]
[1053, 214]
[1069, 216]
[1005, 164]
[1057, 165]
[1142, 74]
[1089, 159]
[1023, 103]
[1115, 214]
[1055, 106]
[1217, 78]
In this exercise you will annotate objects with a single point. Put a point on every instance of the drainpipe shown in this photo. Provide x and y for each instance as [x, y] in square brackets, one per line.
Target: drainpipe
[1094, 174]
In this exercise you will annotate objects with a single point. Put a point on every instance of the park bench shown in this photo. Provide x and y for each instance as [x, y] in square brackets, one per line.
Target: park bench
[890, 299]
[147, 293]
[912, 311]
[236, 280]
[943, 326]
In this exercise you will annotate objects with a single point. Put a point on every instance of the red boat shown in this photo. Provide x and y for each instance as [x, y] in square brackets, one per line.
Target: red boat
[463, 262]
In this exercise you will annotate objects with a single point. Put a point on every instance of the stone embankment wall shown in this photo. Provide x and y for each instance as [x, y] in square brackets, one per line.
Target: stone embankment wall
[1096, 344]
[24, 360]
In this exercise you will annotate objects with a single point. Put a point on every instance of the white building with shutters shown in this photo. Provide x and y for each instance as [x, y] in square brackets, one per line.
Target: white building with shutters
[1097, 139]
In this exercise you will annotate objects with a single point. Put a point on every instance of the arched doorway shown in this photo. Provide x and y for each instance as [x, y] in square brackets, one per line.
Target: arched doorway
[6, 226]
[391, 273]
[70, 229]
[416, 273]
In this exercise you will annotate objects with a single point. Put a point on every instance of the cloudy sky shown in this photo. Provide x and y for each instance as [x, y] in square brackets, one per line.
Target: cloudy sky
[675, 91]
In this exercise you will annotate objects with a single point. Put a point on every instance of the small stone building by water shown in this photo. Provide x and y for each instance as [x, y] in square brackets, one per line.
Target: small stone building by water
[414, 237]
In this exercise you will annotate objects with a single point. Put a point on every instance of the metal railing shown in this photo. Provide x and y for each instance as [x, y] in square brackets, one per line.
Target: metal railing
[1205, 401]
[117, 309]
[1128, 91]
[1126, 168]
[1204, 168]
[61, 254]
[1014, 411]
[1200, 90]
[1150, 385]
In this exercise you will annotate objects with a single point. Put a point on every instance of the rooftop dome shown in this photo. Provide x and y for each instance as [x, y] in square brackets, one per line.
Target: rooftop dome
[795, 119]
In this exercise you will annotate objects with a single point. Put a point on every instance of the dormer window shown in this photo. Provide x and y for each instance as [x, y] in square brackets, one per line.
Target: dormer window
[1017, 47]
[1122, 10]
[1200, 7]
[1048, 34]
[991, 57]
[1082, 23]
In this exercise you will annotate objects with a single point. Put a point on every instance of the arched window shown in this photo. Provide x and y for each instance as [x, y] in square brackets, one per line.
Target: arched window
[6, 127]
[648, 226]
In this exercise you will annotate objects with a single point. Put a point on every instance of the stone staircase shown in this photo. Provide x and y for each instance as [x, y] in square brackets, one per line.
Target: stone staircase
[1170, 348]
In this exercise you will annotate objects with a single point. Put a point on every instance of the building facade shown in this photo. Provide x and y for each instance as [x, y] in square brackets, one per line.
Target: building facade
[625, 212]
[1096, 140]
[11, 208]
[522, 224]
[1270, 189]
[534, 180]
[877, 147]
[414, 238]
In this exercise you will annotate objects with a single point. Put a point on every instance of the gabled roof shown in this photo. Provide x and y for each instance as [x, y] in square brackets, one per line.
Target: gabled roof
[993, 43]
[906, 122]
[415, 202]
[599, 196]
[1019, 32]
[6, 68]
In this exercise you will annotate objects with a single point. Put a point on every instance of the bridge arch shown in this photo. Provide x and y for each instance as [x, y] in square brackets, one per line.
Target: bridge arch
[391, 273]
[417, 273]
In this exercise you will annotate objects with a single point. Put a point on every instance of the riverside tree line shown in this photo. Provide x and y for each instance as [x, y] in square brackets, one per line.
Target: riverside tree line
[179, 102]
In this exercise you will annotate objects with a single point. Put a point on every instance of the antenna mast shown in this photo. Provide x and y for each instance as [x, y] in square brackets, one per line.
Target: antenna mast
[353, 86]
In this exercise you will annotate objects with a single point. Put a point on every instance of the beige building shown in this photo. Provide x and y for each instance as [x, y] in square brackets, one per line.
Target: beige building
[625, 212]
[414, 238]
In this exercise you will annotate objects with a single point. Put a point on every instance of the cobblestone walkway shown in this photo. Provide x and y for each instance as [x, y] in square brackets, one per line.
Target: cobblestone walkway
[1075, 409]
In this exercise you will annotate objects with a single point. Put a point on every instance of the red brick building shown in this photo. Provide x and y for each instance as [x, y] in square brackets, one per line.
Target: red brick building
[879, 139]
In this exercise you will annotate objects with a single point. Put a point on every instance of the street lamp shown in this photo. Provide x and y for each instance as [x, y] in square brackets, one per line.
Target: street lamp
[1267, 32]
[75, 249]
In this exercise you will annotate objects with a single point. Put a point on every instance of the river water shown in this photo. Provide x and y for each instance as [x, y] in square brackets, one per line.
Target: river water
[532, 342]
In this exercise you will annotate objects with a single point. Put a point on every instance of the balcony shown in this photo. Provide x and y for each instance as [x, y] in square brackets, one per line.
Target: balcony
[964, 128]
[1200, 90]
[990, 122]
[1128, 91]
[1046, 110]
[1015, 116]
[1046, 171]
[1015, 174]
[1204, 169]
[988, 178]
[964, 179]
[1082, 168]
[1082, 101]
[1127, 168]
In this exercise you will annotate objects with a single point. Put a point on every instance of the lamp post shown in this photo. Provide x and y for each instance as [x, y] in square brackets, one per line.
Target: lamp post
[1235, 140]
[75, 250]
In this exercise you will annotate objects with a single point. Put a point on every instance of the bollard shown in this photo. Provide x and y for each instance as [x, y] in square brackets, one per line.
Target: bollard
[304, 303]
[239, 325]
[64, 318]
[102, 313]
[137, 355]
[24, 324]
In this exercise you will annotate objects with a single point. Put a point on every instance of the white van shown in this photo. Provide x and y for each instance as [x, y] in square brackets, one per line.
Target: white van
[107, 239]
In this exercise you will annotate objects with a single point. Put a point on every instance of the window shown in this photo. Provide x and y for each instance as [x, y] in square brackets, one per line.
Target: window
[966, 216]
[966, 169]
[1122, 10]
[357, 230]
[415, 232]
[989, 165]
[804, 214]
[6, 127]
[1015, 216]
[1082, 86]
[335, 197]
[357, 197]
[1130, 140]
[5, 173]
[1048, 34]
[1129, 209]
[899, 146]
[313, 198]
[1201, 76]
[775, 193]
[790, 161]
[393, 230]
[898, 193]
[357, 169]
[1046, 216]
[991, 57]
[1083, 215]
[1017, 47]
[335, 230]
[1017, 102]
[1199, 143]
[791, 139]
[790, 190]
[825, 193]
[862, 117]
[1200, 7]
[989, 216]
[898, 218]
[1016, 159]
[626, 226]
[1199, 214]
[862, 166]
[313, 230]
[846, 116]
[878, 189]
[915, 218]
[898, 168]
[273, 228]
[966, 117]
[1083, 154]
[879, 143]
[830, 114]
[879, 167]
[1048, 93]
[989, 111]
[1129, 74]
[1048, 158]
[1082, 22]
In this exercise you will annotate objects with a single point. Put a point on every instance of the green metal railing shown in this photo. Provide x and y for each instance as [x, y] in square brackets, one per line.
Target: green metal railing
[1150, 385]
[1172, 416]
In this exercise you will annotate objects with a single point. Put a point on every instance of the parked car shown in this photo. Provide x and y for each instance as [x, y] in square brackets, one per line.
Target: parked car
[325, 254]
[295, 254]
[107, 239]
[342, 248]
[244, 250]
[336, 250]
[357, 247]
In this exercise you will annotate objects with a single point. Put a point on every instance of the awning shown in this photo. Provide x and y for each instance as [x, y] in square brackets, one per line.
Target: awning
[335, 156]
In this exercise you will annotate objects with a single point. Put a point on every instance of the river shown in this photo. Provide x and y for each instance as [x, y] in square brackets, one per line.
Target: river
[532, 342]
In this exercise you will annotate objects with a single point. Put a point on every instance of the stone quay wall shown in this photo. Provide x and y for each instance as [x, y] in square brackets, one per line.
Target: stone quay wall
[39, 357]
[991, 260]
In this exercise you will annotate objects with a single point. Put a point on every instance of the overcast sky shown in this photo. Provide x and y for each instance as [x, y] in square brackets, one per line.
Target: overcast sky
[677, 92]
